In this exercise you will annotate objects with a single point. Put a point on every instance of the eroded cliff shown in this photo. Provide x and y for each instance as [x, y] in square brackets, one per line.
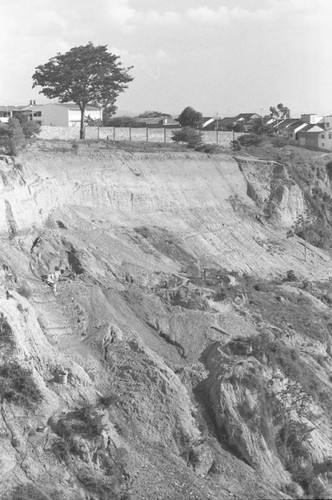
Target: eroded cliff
[194, 338]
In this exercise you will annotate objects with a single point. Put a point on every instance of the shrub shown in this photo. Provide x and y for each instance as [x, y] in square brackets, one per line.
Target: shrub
[279, 142]
[188, 135]
[208, 148]
[250, 140]
[329, 169]
[18, 386]
[236, 145]
[16, 136]
[29, 127]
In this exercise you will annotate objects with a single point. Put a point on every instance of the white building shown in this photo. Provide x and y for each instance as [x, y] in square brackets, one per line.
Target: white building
[311, 118]
[61, 115]
[325, 139]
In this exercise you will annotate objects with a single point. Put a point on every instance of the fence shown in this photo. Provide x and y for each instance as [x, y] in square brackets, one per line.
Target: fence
[130, 134]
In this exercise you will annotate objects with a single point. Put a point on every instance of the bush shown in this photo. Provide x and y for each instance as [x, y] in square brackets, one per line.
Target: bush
[329, 169]
[29, 127]
[189, 136]
[279, 142]
[18, 386]
[236, 145]
[250, 140]
[11, 137]
[209, 148]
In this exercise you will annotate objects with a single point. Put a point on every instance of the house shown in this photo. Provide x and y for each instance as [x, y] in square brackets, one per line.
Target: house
[326, 122]
[325, 139]
[290, 127]
[207, 120]
[7, 112]
[309, 138]
[246, 120]
[220, 123]
[158, 122]
[61, 114]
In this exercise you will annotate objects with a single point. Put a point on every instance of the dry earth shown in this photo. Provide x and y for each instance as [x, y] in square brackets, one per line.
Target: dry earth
[175, 322]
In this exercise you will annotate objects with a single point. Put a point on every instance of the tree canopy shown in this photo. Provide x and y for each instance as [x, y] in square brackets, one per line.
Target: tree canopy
[83, 75]
[280, 112]
[190, 118]
[152, 114]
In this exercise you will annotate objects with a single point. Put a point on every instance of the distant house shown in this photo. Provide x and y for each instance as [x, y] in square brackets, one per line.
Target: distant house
[220, 123]
[310, 138]
[290, 127]
[61, 115]
[246, 120]
[325, 139]
[311, 118]
[157, 122]
[7, 112]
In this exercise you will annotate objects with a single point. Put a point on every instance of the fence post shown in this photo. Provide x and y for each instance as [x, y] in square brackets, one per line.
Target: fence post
[130, 133]
[165, 135]
[147, 134]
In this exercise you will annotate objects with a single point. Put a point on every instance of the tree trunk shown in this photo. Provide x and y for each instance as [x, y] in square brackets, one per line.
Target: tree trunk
[82, 129]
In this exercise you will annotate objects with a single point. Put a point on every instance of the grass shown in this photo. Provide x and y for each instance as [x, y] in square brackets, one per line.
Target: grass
[80, 147]
[18, 386]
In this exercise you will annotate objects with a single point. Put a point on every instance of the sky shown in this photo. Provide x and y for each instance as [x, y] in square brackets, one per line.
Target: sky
[217, 56]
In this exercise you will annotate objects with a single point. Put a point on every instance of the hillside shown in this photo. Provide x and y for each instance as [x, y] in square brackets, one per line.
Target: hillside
[194, 334]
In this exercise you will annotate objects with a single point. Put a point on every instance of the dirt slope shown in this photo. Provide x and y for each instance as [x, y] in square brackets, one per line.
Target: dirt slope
[172, 278]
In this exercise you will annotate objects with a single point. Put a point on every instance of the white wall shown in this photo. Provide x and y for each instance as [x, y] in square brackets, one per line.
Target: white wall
[325, 139]
[311, 119]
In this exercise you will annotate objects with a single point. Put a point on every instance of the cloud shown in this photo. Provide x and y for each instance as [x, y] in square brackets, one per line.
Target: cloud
[157, 57]
[224, 15]
[295, 11]
[120, 12]
[166, 18]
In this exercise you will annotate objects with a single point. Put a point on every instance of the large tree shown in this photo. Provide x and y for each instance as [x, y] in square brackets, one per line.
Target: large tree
[190, 118]
[84, 75]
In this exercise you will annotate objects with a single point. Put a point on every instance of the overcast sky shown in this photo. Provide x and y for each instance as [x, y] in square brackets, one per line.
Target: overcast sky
[225, 56]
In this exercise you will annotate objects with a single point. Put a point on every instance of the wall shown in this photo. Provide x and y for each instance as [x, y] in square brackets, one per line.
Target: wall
[122, 134]
[309, 139]
[74, 116]
[53, 114]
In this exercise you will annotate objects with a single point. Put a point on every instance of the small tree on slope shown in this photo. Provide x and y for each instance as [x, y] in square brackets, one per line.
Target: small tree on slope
[83, 75]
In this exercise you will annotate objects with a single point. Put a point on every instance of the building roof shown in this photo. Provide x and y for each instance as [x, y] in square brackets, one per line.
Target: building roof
[245, 116]
[68, 105]
[11, 108]
[312, 130]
